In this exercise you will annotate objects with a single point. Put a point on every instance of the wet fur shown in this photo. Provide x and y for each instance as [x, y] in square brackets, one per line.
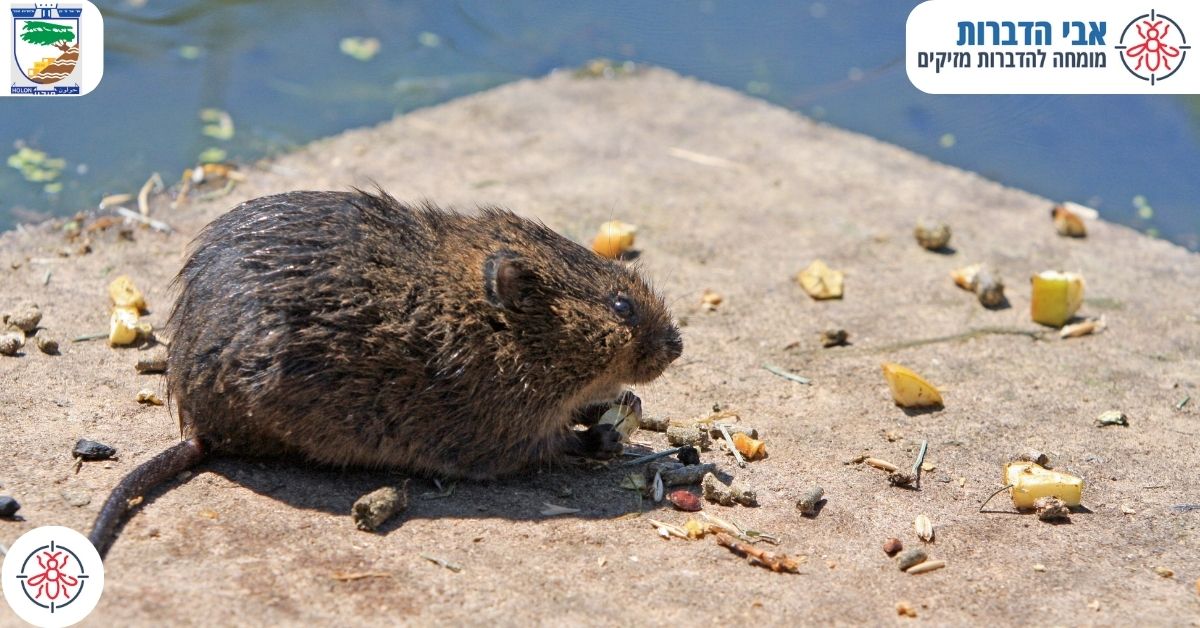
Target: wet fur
[350, 329]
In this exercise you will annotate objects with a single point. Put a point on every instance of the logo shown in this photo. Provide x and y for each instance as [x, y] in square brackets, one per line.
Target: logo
[1158, 49]
[52, 577]
[55, 48]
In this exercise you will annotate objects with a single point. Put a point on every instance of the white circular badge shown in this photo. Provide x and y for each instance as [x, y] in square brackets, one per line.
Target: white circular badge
[52, 577]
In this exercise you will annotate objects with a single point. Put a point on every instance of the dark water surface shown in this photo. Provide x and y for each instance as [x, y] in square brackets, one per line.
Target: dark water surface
[277, 68]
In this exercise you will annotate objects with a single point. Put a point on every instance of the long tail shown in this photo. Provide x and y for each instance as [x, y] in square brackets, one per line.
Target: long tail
[146, 476]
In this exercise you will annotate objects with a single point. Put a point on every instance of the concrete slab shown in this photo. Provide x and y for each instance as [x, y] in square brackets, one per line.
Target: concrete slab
[732, 195]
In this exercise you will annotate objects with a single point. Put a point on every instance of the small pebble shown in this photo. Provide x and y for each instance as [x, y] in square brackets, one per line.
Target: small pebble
[92, 450]
[1051, 509]
[1040, 568]
[154, 362]
[76, 498]
[932, 235]
[904, 609]
[1164, 572]
[892, 545]
[8, 507]
[911, 557]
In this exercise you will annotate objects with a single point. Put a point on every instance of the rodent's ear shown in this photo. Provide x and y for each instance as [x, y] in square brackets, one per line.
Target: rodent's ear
[506, 282]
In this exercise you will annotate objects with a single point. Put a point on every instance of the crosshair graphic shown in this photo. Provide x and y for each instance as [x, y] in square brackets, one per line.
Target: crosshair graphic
[56, 580]
[1161, 44]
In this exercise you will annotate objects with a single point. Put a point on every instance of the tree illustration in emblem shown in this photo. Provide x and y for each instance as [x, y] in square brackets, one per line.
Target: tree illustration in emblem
[48, 34]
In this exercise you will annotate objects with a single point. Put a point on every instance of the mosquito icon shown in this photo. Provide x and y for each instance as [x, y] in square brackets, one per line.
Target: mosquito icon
[1153, 52]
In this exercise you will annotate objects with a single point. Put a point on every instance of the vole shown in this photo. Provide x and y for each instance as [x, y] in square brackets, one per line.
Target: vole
[349, 329]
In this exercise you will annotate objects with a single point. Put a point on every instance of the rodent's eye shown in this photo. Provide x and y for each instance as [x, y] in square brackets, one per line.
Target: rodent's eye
[622, 307]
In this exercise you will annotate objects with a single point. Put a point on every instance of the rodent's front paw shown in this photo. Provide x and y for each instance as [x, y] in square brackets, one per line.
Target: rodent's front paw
[598, 441]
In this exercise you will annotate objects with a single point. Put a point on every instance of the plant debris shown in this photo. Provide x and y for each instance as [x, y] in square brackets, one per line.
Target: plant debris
[47, 345]
[371, 510]
[614, 239]
[554, 510]
[153, 362]
[654, 423]
[689, 435]
[442, 562]
[980, 279]
[881, 464]
[1051, 509]
[1056, 297]
[1085, 328]
[904, 609]
[91, 450]
[799, 379]
[675, 474]
[1067, 223]
[624, 415]
[1112, 417]
[924, 528]
[710, 300]
[718, 492]
[932, 235]
[750, 448]
[688, 455]
[779, 563]
[25, 318]
[910, 390]
[1164, 572]
[834, 338]
[821, 282]
[148, 397]
[925, 567]
[1030, 481]
[11, 342]
[342, 576]
[809, 500]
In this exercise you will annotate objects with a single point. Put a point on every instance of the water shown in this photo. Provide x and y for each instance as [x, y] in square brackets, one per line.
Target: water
[275, 67]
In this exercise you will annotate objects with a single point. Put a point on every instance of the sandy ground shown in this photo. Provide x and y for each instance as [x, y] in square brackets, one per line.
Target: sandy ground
[731, 195]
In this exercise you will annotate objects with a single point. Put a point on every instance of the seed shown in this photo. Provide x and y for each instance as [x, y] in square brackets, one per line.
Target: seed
[892, 545]
[47, 345]
[1164, 572]
[926, 566]
[25, 317]
[932, 235]
[924, 528]
[684, 500]
[11, 342]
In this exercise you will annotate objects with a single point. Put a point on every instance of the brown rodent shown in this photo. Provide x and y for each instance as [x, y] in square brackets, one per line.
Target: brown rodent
[349, 329]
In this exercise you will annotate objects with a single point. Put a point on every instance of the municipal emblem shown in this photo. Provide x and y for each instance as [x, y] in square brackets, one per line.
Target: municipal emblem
[46, 49]
[1153, 47]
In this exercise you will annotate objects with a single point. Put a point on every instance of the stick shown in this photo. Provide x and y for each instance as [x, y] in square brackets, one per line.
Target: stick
[652, 457]
[1183, 402]
[786, 375]
[87, 337]
[156, 225]
[920, 460]
[737, 455]
[154, 182]
[993, 495]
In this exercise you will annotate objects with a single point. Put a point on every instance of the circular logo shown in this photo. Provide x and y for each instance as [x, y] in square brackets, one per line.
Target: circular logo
[1153, 47]
[52, 577]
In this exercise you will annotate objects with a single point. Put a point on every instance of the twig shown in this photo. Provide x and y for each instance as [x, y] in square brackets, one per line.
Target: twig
[652, 457]
[737, 455]
[87, 337]
[350, 577]
[156, 225]
[920, 460]
[993, 495]
[442, 562]
[1183, 402]
[780, 563]
[787, 375]
[155, 182]
[46, 278]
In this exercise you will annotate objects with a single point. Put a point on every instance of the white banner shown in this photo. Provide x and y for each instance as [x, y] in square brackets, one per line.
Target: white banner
[1053, 47]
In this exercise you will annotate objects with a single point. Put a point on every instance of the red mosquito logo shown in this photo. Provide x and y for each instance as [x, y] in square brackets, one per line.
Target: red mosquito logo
[52, 583]
[1153, 52]
[1157, 51]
